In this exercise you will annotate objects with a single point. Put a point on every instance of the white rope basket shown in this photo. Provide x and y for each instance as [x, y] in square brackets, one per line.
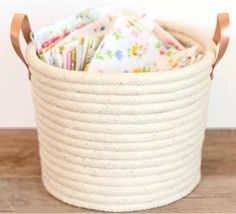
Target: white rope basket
[122, 142]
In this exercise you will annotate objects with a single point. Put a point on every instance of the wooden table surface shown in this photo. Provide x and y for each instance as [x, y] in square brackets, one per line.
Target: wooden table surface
[21, 189]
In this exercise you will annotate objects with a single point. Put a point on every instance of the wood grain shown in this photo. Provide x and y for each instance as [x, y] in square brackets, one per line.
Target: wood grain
[21, 189]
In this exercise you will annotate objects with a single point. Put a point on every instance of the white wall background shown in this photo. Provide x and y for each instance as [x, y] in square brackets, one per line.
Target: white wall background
[16, 108]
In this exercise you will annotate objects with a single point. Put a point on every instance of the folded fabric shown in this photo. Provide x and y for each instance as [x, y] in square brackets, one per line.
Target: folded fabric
[74, 55]
[46, 37]
[97, 40]
[132, 47]
[78, 46]
[161, 34]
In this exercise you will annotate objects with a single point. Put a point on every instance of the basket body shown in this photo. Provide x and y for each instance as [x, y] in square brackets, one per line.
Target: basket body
[122, 142]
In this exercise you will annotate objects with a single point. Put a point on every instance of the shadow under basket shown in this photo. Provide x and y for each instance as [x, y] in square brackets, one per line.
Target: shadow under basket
[122, 142]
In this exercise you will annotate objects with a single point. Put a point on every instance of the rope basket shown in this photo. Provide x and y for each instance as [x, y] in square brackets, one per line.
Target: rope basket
[122, 142]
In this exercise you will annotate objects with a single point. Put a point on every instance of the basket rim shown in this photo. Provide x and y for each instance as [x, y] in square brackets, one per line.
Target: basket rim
[170, 75]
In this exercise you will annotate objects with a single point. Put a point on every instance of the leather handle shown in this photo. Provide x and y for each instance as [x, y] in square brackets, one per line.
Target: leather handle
[221, 37]
[20, 22]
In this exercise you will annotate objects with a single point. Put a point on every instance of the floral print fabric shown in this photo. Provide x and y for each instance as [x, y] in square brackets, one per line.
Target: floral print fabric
[46, 37]
[130, 47]
[76, 50]
[97, 40]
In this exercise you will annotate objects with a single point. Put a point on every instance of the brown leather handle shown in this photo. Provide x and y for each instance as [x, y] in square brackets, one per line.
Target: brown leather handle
[221, 37]
[20, 22]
